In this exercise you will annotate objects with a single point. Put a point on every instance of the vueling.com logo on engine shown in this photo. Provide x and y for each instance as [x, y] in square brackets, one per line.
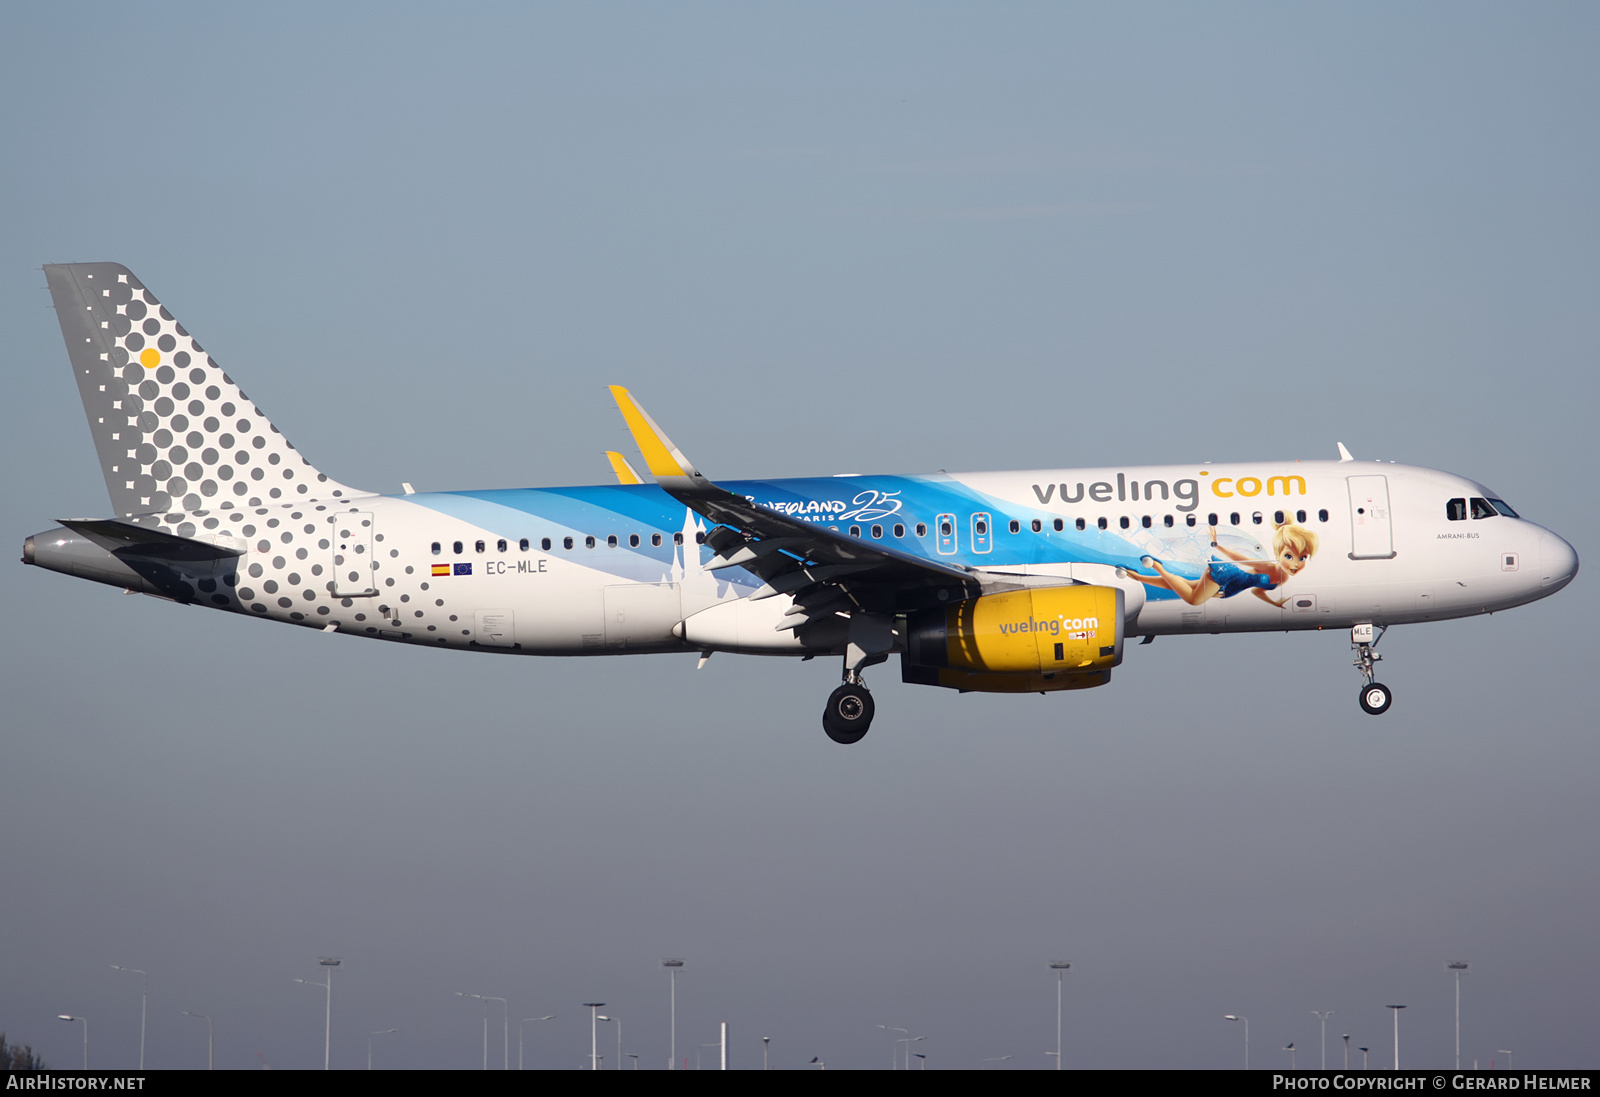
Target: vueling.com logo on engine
[1078, 624]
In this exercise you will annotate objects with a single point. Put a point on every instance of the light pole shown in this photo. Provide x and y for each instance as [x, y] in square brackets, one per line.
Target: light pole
[1363, 1052]
[673, 966]
[370, 1035]
[1502, 1051]
[766, 1041]
[1246, 1020]
[522, 1028]
[70, 1017]
[1397, 1010]
[505, 1030]
[1323, 1017]
[894, 1052]
[618, 1022]
[1293, 1065]
[594, 1033]
[144, 996]
[1347, 1051]
[1060, 967]
[329, 962]
[485, 1001]
[211, 1046]
[908, 1041]
[1458, 967]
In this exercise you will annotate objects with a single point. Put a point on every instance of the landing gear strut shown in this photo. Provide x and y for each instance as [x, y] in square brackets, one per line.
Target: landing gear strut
[850, 707]
[1375, 697]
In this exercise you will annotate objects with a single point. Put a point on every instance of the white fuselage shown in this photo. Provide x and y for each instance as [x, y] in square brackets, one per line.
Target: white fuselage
[634, 578]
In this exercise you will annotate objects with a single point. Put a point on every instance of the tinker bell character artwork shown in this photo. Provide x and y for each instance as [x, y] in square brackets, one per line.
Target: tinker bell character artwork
[1292, 548]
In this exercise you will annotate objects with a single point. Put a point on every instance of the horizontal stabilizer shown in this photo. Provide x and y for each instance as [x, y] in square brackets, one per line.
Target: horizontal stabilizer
[125, 538]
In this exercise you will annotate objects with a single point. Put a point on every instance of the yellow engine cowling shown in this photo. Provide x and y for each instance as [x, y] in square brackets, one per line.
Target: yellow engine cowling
[1020, 641]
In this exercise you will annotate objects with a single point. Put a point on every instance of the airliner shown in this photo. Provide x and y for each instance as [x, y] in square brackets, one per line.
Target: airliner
[999, 582]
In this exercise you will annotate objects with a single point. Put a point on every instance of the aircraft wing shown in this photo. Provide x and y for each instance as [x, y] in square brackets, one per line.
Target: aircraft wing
[825, 571]
[624, 471]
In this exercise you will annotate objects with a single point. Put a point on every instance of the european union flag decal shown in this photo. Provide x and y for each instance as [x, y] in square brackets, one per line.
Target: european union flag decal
[463, 569]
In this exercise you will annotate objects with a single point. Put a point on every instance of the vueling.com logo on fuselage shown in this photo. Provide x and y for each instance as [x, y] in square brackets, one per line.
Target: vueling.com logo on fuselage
[1186, 492]
[1017, 628]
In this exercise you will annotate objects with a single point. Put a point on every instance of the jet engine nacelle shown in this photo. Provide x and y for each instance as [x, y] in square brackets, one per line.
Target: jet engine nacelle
[1020, 641]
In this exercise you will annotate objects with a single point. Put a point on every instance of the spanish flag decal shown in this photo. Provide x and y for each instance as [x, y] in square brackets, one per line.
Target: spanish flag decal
[441, 569]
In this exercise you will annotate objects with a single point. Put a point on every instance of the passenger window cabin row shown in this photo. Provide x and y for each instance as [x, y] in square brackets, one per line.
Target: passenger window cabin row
[946, 529]
[545, 544]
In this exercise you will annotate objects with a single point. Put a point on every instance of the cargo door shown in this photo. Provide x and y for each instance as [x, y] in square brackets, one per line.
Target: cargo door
[642, 615]
[353, 562]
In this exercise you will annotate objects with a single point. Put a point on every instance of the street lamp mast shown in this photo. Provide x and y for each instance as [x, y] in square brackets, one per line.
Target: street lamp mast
[594, 1033]
[70, 1017]
[1458, 966]
[329, 962]
[673, 966]
[211, 1044]
[1060, 967]
[1397, 1010]
[144, 996]
[1246, 1020]
[1323, 1017]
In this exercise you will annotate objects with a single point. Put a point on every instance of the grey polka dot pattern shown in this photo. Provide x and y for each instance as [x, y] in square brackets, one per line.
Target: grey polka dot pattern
[173, 430]
[183, 449]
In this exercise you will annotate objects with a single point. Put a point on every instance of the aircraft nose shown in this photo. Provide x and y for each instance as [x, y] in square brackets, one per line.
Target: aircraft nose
[1558, 562]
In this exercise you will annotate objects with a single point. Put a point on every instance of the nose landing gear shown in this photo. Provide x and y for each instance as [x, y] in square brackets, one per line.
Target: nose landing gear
[1375, 697]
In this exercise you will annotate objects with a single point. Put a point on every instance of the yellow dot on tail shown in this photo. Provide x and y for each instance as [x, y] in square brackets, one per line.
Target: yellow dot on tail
[151, 358]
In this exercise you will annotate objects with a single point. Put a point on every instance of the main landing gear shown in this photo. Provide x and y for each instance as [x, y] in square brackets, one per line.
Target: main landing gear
[850, 707]
[1375, 697]
[849, 713]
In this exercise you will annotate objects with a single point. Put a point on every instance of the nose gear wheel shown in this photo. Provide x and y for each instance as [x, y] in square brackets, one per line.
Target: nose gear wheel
[1375, 697]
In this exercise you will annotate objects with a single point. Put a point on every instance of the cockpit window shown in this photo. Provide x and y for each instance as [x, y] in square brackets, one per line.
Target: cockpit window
[1456, 510]
[1482, 509]
[1500, 507]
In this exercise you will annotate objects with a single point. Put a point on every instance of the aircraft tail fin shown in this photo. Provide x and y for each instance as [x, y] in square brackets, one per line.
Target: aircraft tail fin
[173, 431]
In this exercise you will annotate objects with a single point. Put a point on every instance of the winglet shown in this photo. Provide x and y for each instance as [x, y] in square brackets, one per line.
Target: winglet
[619, 465]
[1344, 454]
[662, 457]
